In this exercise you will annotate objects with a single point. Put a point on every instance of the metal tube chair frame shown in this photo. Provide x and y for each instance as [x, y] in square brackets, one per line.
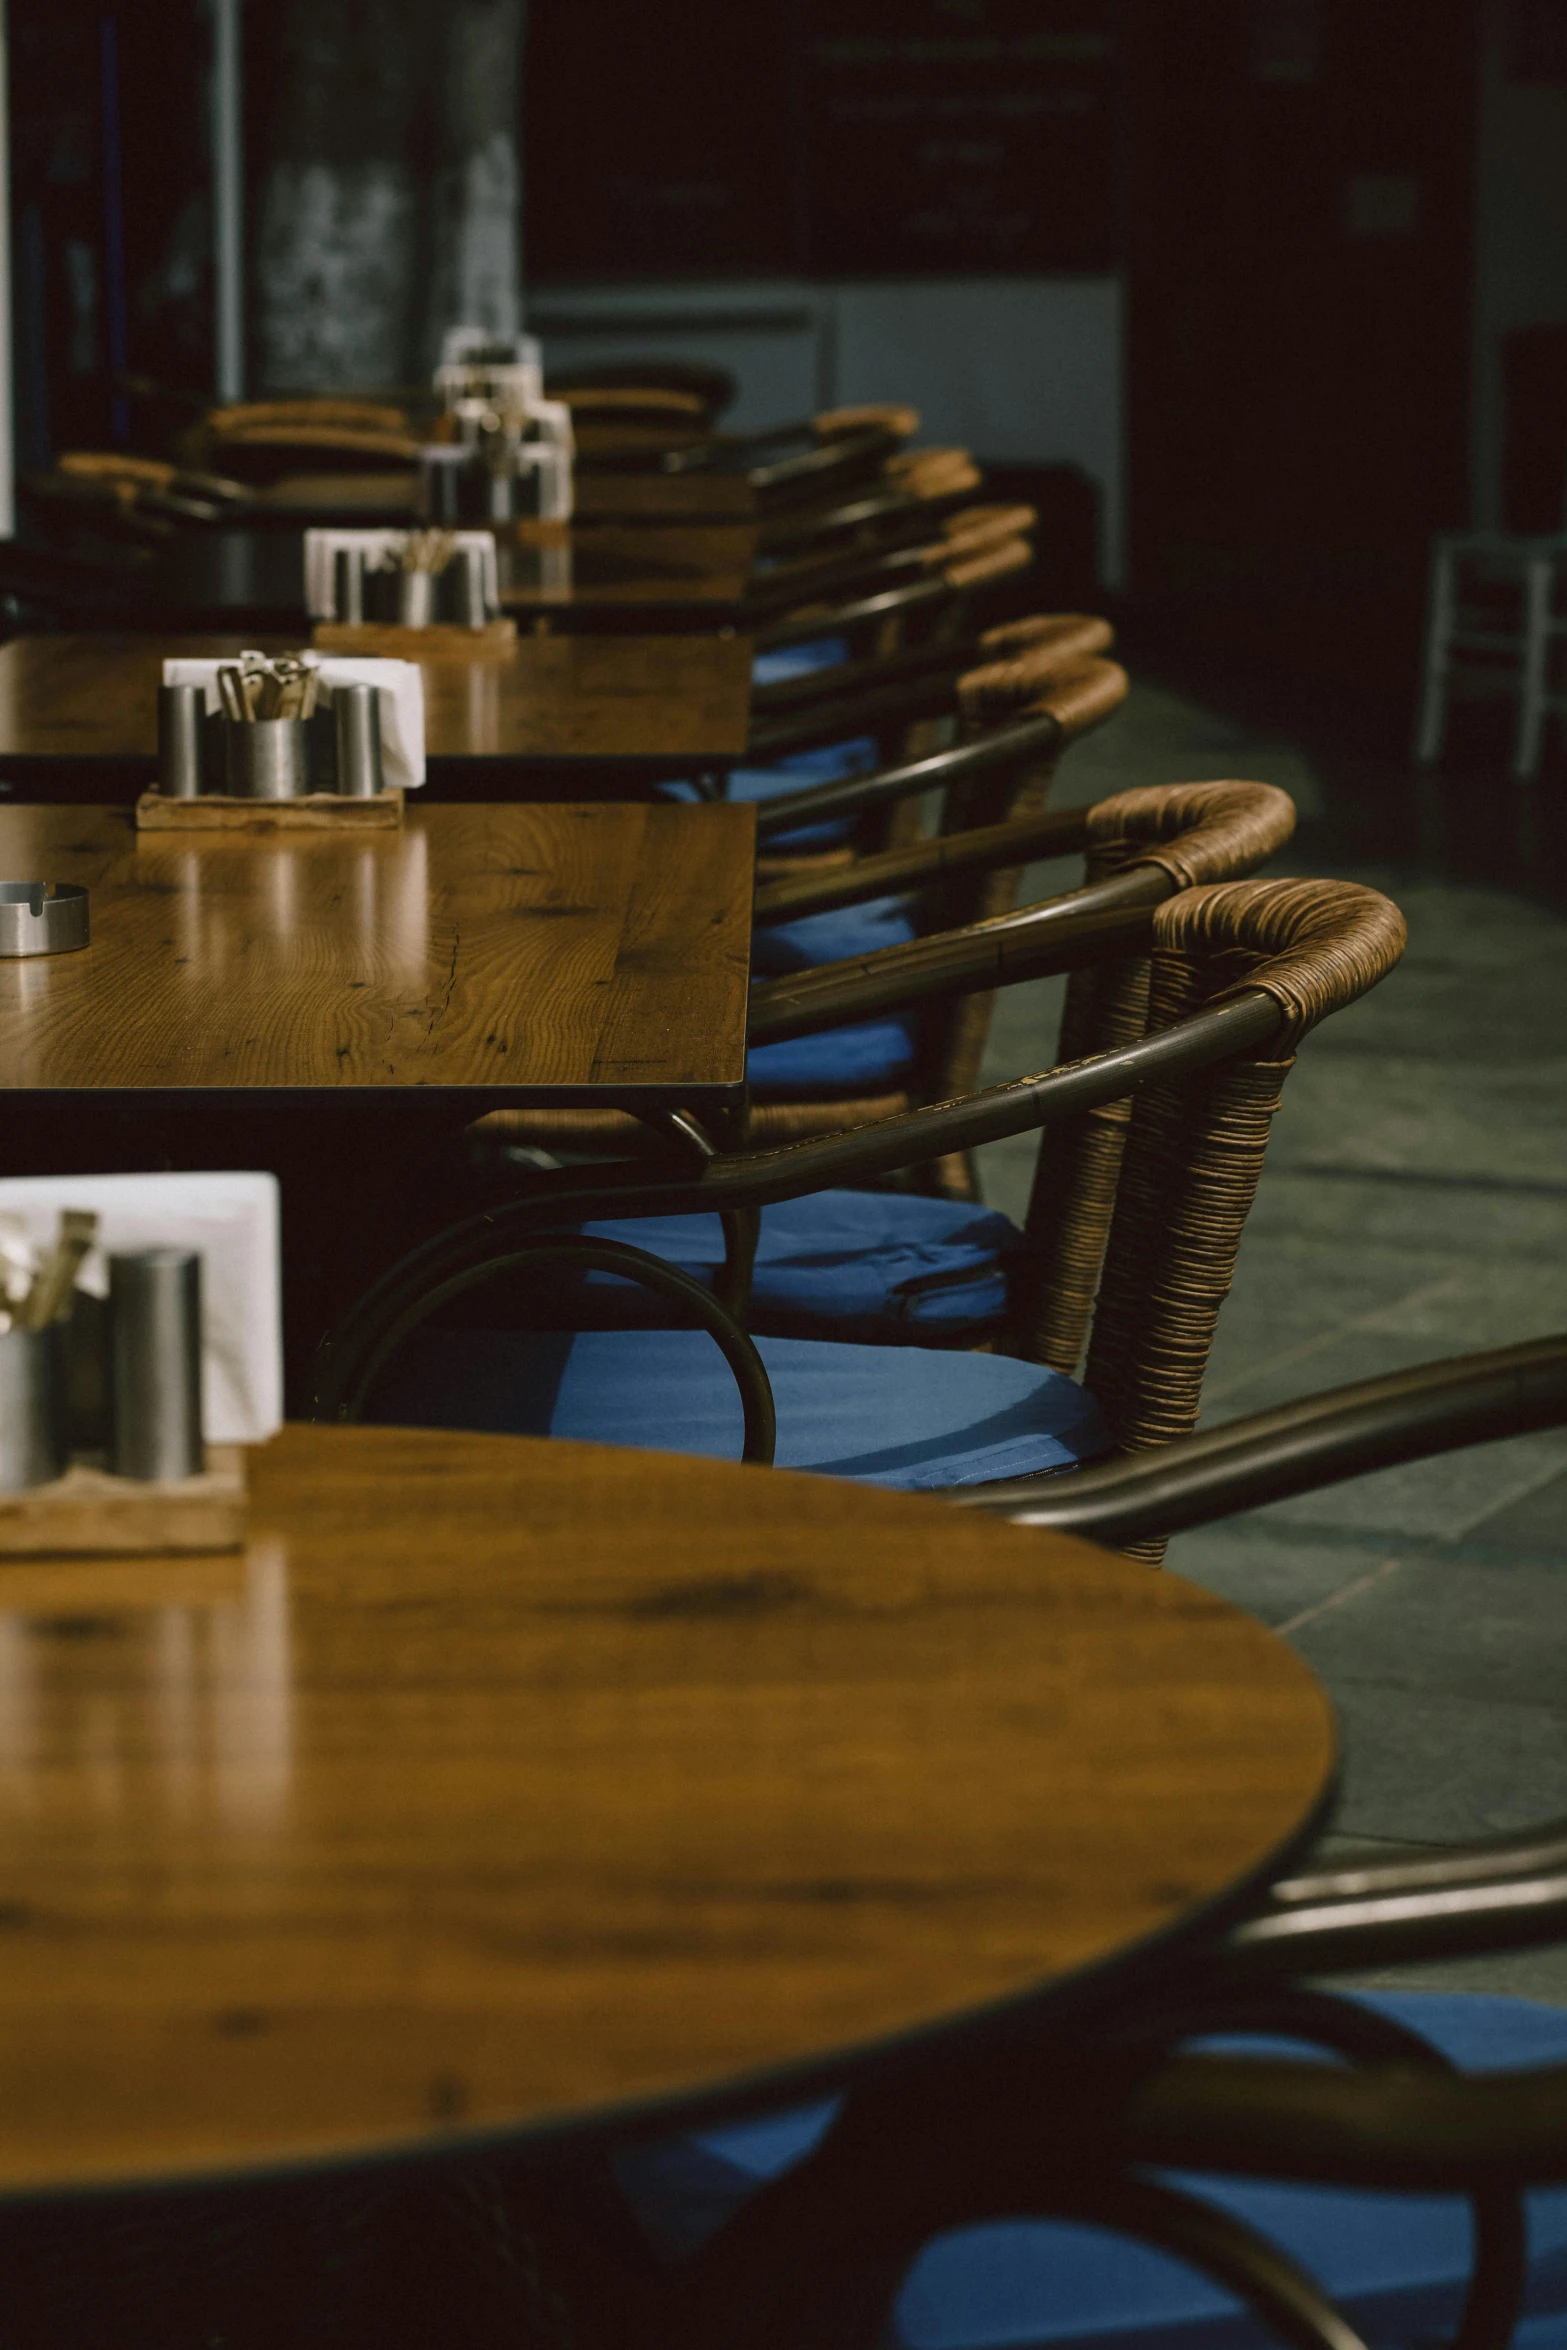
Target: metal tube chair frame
[1255, 965]
[978, 2132]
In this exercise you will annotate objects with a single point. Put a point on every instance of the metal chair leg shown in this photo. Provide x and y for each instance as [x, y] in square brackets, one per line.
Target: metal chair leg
[1536, 658]
[1440, 619]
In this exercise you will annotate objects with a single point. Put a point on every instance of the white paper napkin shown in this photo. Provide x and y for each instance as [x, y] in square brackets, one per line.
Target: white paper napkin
[232, 1221]
[321, 547]
[401, 702]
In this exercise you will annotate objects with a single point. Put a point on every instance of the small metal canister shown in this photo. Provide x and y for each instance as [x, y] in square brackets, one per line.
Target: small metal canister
[356, 711]
[155, 1364]
[32, 1414]
[348, 586]
[266, 758]
[466, 573]
[181, 718]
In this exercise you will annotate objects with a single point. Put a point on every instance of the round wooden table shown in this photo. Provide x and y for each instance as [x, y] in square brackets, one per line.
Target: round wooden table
[501, 1782]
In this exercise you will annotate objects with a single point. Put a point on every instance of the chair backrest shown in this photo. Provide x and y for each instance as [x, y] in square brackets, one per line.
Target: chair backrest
[260, 439]
[714, 387]
[1137, 1213]
[956, 544]
[897, 505]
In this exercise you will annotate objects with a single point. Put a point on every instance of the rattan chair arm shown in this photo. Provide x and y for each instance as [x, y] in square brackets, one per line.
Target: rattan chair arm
[1241, 1024]
[343, 1398]
[1313, 945]
[1038, 735]
[837, 458]
[1540, 1850]
[1044, 645]
[1392, 1928]
[859, 569]
[968, 571]
[1054, 832]
[876, 708]
[894, 603]
[943, 657]
[1318, 1440]
[755, 1179]
[890, 416]
[1059, 934]
[1388, 2126]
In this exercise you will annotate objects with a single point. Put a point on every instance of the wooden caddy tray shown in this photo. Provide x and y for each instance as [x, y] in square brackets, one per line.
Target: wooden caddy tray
[89, 1513]
[322, 811]
[443, 640]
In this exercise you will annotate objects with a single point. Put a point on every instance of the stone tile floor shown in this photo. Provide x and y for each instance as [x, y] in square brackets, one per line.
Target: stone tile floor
[1414, 1205]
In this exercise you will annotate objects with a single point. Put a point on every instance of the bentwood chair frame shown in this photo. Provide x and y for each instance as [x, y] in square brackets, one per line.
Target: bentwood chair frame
[797, 466]
[1001, 775]
[964, 536]
[1237, 972]
[914, 489]
[978, 2131]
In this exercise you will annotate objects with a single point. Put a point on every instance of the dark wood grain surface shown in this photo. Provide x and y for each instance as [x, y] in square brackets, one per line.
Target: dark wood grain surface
[551, 954]
[681, 574]
[503, 1780]
[676, 568]
[648, 703]
[600, 497]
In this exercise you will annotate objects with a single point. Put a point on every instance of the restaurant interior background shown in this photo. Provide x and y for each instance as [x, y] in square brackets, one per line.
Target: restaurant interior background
[1249, 297]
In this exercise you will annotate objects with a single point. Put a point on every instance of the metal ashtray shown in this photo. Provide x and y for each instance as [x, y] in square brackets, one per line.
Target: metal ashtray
[42, 917]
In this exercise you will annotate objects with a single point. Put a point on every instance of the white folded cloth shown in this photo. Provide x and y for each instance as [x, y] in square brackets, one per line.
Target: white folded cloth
[401, 702]
[379, 547]
[232, 1222]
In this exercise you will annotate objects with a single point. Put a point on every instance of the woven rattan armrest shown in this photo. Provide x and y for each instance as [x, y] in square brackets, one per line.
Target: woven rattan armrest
[1299, 1447]
[1073, 703]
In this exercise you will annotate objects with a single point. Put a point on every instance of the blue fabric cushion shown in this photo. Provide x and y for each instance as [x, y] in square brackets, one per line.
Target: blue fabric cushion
[820, 652]
[833, 937]
[828, 763]
[906, 1417]
[874, 1054]
[1396, 2264]
[874, 1266]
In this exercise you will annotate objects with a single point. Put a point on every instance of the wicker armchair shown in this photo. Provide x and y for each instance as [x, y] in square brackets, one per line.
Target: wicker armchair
[1239, 972]
[1001, 771]
[1401, 2114]
[913, 487]
[259, 442]
[816, 460]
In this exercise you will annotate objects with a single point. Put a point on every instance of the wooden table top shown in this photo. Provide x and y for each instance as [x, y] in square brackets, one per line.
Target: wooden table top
[649, 705]
[502, 1781]
[600, 497]
[687, 574]
[670, 568]
[526, 954]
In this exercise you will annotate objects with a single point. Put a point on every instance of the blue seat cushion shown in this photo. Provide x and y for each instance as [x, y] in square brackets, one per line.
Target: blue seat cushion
[827, 763]
[873, 1266]
[789, 661]
[1397, 2265]
[907, 1417]
[869, 1054]
[833, 937]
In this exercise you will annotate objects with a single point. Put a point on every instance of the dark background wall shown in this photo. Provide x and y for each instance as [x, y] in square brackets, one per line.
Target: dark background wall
[1320, 220]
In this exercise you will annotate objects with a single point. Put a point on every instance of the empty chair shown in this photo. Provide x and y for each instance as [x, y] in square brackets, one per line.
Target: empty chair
[1382, 2192]
[1235, 974]
[1516, 632]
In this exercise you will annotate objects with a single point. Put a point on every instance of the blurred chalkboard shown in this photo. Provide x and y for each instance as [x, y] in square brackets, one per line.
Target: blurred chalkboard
[948, 136]
[660, 141]
[820, 137]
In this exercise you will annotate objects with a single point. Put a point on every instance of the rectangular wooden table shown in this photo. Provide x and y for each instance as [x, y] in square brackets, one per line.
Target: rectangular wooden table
[498, 956]
[671, 576]
[566, 716]
[339, 1007]
[600, 497]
